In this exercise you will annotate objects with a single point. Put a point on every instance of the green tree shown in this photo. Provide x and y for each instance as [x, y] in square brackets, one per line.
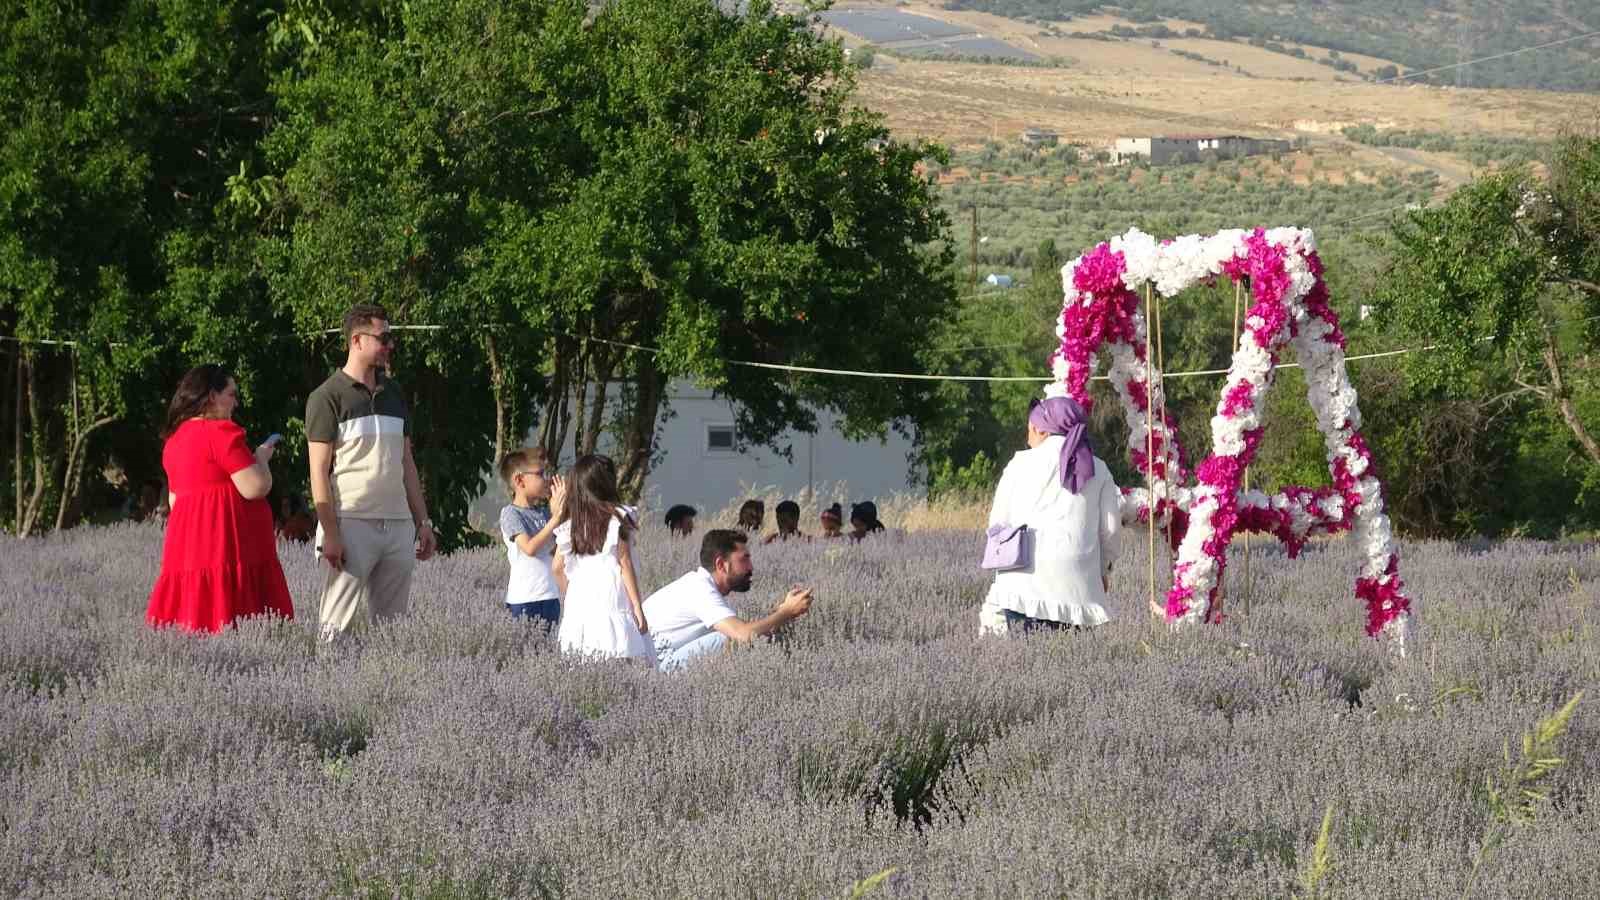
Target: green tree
[1506, 270]
[118, 127]
[720, 197]
[415, 152]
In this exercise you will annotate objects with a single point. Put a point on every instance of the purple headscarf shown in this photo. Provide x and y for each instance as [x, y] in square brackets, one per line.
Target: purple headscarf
[1063, 416]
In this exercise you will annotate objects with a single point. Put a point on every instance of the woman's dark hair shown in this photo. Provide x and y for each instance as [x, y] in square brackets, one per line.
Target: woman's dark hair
[194, 395]
[751, 514]
[834, 512]
[677, 514]
[866, 512]
[592, 502]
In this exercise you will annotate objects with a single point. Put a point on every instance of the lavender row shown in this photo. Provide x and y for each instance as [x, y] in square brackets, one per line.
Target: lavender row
[456, 754]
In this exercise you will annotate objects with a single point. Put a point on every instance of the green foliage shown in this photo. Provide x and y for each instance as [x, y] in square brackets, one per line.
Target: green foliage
[1321, 862]
[178, 185]
[1480, 149]
[410, 157]
[977, 478]
[732, 204]
[868, 886]
[1057, 196]
[1515, 793]
[1441, 423]
[1504, 270]
[119, 125]
[1007, 333]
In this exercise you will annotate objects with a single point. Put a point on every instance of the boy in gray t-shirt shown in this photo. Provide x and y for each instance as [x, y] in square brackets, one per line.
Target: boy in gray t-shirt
[528, 527]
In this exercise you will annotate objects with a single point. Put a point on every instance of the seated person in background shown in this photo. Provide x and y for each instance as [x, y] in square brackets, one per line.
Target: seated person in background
[751, 515]
[691, 617]
[680, 520]
[864, 520]
[294, 520]
[152, 497]
[788, 516]
[833, 522]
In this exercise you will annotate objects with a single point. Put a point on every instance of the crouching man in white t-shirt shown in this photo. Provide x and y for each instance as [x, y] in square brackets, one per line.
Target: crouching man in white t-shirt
[691, 618]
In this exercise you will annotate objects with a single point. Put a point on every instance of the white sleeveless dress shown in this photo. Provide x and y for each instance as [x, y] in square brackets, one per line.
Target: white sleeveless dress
[596, 618]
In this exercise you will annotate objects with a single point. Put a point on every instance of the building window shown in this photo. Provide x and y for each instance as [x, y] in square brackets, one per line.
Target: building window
[719, 438]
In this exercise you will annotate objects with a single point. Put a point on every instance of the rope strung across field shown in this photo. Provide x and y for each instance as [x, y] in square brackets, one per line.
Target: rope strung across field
[814, 370]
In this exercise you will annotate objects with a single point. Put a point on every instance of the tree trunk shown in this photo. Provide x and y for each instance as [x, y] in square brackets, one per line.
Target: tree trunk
[497, 380]
[77, 457]
[552, 412]
[595, 420]
[580, 398]
[74, 443]
[16, 521]
[1563, 400]
[72, 482]
[30, 514]
[639, 436]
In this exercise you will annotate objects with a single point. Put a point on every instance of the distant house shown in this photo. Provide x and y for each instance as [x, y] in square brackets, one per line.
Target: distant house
[701, 463]
[1192, 148]
[997, 280]
[1040, 137]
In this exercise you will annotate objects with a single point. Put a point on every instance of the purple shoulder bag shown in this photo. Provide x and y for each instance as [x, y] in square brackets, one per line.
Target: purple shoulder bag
[1007, 548]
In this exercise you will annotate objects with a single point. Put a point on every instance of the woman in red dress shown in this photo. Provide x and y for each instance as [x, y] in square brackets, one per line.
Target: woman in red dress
[220, 561]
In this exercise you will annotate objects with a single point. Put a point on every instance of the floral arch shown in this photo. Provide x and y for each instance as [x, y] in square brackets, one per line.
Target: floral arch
[1289, 309]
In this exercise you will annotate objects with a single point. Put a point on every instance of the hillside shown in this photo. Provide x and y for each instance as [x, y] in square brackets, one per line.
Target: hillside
[1103, 90]
[1416, 34]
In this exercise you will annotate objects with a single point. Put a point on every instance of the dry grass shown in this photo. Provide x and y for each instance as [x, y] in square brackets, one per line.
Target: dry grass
[1131, 87]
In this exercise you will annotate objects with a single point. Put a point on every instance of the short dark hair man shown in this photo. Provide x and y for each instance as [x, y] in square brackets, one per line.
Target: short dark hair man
[372, 520]
[691, 618]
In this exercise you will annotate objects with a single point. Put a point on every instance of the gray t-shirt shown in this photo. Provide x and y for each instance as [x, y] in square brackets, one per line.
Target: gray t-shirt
[531, 578]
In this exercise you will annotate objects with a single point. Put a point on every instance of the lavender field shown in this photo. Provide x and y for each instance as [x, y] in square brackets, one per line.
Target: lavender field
[880, 749]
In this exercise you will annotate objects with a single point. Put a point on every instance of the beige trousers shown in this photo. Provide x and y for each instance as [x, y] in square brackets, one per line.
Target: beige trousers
[375, 583]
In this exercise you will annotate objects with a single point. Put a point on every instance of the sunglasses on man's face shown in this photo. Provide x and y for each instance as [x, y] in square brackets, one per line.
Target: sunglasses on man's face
[386, 338]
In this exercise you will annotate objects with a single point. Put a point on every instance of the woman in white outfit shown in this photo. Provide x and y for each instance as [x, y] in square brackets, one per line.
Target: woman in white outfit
[1066, 497]
[602, 615]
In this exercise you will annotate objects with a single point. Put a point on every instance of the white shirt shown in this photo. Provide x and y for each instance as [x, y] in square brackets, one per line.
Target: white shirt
[1075, 539]
[685, 610]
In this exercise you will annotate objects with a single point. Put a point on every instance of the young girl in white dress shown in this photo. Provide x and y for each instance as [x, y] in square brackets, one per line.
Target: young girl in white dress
[603, 614]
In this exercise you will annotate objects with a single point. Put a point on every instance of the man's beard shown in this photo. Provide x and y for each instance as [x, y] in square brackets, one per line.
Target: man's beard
[741, 584]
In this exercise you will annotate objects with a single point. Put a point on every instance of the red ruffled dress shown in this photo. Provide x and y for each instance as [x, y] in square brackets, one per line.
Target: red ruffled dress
[220, 561]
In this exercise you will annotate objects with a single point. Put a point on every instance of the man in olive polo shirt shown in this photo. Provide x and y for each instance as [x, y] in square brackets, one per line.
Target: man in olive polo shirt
[372, 521]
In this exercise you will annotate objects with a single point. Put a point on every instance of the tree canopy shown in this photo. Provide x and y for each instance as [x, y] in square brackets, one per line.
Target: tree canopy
[580, 202]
